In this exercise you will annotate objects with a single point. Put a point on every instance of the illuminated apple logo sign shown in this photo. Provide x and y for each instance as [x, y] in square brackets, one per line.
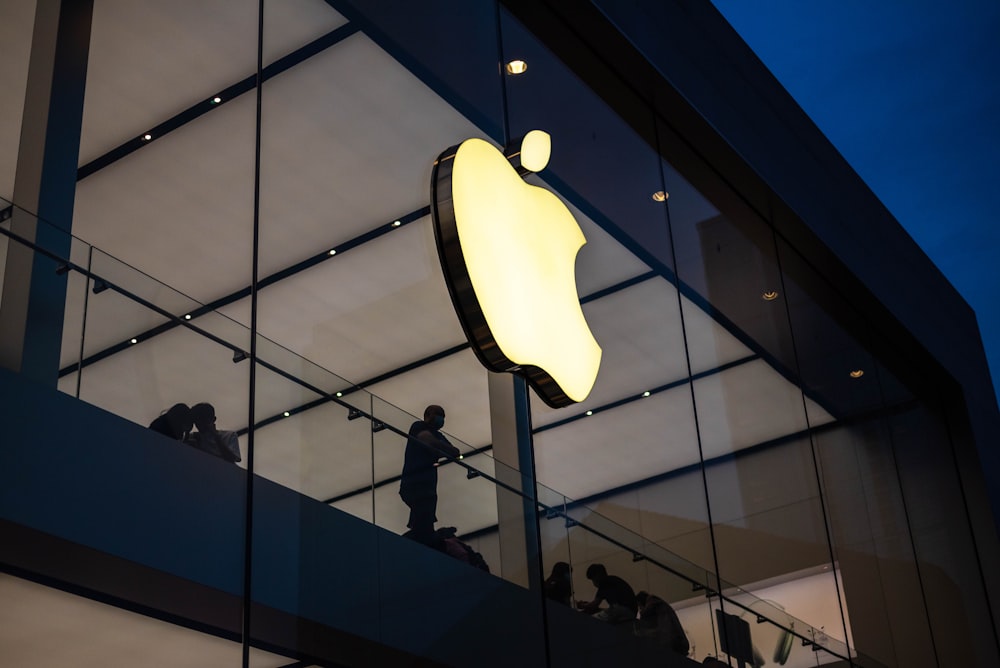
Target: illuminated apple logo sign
[508, 250]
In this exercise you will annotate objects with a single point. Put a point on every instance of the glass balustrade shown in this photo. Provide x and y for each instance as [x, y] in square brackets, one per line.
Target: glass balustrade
[131, 345]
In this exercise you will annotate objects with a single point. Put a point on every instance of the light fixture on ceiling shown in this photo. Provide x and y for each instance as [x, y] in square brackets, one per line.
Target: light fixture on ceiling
[333, 251]
[857, 373]
[646, 393]
[517, 67]
[135, 340]
[239, 356]
[147, 137]
[216, 100]
[286, 414]
[769, 295]
[660, 196]
[187, 316]
[590, 412]
[340, 394]
[397, 223]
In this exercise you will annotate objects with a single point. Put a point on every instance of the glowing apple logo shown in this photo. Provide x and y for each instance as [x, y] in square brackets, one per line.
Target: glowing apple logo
[508, 251]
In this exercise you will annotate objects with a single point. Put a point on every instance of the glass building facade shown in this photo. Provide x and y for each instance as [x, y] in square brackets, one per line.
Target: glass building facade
[247, 223]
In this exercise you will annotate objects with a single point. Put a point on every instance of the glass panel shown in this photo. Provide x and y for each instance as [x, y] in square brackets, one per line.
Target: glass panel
[753, 419]
[17, 20]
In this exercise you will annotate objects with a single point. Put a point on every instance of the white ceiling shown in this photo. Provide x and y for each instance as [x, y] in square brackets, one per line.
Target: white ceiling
[348, 139]
[41, 626]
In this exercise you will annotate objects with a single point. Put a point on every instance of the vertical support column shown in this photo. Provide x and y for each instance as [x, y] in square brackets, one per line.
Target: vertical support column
[510, 419]
[34, 295]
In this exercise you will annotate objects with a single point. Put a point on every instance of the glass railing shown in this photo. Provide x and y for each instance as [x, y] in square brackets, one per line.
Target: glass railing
[134, 346]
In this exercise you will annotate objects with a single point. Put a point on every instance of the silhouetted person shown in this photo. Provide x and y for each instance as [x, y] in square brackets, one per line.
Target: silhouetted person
[222, 444]
[558, 586]
[659, 621]
[425, 445]
[175, 422]
[616, 592]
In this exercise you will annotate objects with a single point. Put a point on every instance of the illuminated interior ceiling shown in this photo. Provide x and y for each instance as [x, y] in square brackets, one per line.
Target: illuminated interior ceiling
[348, 137]
[94, 635]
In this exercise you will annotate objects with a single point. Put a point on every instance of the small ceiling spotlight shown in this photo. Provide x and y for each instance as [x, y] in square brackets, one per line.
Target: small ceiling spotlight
[333, 251]
[340, 394]
[134, 340]
[187, 316]
[646, 393]
[396, 223]
[353, 414]
[769, 296]
[147, 137]
[377, 426]
[517, 67]
[590, 412]
[660, 196]
[287, 414]
[216, 100]
[857, 373]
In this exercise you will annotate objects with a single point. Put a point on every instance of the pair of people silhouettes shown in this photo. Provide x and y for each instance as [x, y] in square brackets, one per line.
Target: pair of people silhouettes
[178, 421]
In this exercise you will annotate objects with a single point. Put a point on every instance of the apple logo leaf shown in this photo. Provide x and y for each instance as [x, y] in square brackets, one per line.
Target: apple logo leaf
[508, 252]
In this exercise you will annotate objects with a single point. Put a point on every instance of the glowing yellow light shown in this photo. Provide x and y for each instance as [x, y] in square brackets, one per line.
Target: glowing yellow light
[216, 100]
[520, 244]
[286, 413]
[187, 317]
[857, 373]
[396, 223]
[333, 251]
[147, 137]
[646, 393]
[536, 148]
[769, 296]
[517, 67]
[135, 340]
[590, 412]
[340, 394]
[660, 196]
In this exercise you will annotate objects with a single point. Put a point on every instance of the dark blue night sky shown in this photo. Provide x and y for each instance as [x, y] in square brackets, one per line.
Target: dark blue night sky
[909, 92]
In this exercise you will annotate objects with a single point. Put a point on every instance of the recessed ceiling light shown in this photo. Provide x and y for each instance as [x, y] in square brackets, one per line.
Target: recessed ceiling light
[216, 100]
[286, 413]
[590, 412]
[396, 223]
[340, 394]
[769, 296]
[147, 137]
[135, 340]
[857, 373]
[517, 67]
[660, 196]
[333, 251]
[187, 317]
[646, 393]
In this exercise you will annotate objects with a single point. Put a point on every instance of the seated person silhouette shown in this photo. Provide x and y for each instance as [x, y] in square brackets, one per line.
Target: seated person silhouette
[175, 422]
[558, 586]
[620, 597]
[658, 620]
[220, 443]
